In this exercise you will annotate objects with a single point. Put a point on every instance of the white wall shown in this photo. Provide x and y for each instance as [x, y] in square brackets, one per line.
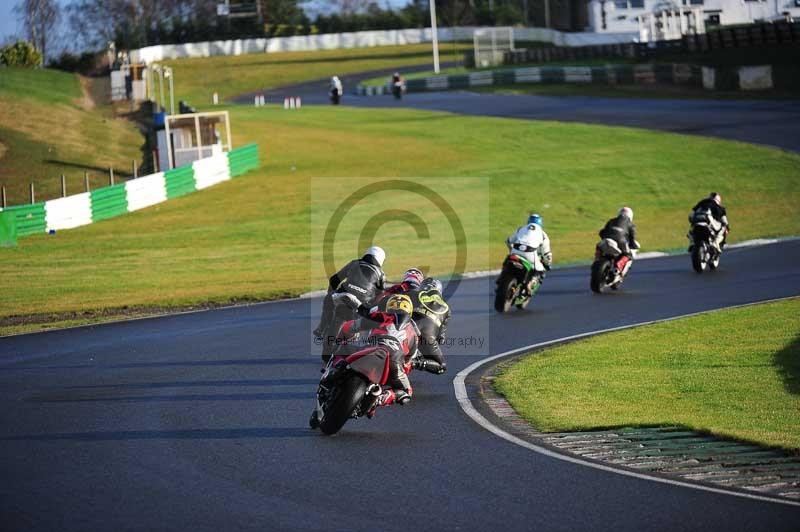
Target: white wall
[732, 12]
[361, 39]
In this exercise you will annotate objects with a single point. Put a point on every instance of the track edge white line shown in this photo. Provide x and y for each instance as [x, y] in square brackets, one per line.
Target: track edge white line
[466, 405]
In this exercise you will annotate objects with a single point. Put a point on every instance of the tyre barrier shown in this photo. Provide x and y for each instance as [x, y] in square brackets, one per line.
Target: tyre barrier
[108, 202]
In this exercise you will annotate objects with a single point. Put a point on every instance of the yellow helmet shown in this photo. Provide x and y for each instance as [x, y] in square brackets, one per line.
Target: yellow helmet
[399, 303]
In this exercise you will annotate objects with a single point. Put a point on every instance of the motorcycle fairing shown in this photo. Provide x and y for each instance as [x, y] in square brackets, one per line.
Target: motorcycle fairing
[609, 247]
[372, 362]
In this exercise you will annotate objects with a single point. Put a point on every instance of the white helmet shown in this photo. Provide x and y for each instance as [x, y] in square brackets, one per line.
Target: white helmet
[627, 212]
[378, 253]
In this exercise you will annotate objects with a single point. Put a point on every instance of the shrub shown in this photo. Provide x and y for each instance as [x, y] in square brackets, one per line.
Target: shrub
[20, 54]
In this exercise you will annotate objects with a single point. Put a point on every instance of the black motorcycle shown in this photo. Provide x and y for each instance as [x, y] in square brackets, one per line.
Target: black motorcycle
[608, 268]
[335, 96]
[705, 254]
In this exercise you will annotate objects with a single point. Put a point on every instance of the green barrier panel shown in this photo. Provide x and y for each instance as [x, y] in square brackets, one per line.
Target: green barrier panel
[179, 181]
[108, 202]
[415, 85]
[726, 78]
[623, 74]
[458, 82]
[8, 229]
[243, 159]
[29, 219]
[503, 77]
[785, 77]
[553, 75]
[664, 74]
[600, 75]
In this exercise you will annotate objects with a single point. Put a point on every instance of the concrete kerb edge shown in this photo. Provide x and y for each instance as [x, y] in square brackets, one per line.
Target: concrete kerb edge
[463, 398]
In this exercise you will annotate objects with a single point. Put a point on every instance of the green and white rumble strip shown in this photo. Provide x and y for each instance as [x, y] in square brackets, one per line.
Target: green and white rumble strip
[108, 202]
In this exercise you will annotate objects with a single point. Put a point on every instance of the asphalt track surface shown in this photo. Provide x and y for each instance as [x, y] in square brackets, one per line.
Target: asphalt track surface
[198, 422]
[773, 123]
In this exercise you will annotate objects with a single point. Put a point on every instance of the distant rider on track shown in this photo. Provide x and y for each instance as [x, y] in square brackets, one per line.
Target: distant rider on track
[622, 231]
[711, 210]
[531, 242]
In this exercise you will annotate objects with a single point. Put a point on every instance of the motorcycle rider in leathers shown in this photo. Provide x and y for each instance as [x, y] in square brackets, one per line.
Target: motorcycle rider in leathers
[711, 207]
[531, 242]
[364, 279]
[622, 231]
[431, 314]
[393, 332]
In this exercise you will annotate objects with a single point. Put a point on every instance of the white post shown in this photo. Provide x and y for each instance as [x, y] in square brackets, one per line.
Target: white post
[434, 36]
[228, 130]
[170, 159]
[171, 93]
[161, 86]
[197, 132]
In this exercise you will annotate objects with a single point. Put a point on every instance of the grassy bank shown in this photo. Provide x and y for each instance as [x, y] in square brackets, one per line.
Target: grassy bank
[197, 79]
[735, 373]
[54, 123]
[246, 238]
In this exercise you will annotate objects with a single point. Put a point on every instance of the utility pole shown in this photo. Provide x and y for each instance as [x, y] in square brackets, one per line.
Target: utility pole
[435, 37]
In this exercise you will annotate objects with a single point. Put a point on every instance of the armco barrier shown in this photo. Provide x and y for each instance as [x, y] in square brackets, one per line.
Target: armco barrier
[760, 77]
[108, 202]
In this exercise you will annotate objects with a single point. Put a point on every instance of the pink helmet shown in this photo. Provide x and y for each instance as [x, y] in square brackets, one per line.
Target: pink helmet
[413, 276]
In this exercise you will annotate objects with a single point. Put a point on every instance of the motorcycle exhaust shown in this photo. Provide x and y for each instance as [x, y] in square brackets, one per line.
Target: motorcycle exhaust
[374, 390]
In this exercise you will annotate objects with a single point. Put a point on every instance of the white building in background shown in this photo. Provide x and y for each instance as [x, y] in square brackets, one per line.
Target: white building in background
[669, 19]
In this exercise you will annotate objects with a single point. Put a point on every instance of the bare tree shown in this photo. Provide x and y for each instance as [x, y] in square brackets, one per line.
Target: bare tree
[40, 18]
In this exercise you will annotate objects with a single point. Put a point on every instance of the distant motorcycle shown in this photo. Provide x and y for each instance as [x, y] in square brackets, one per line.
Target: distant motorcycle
[335, 96]
[609, 267]
[701, 242]
[397, 90]
[511, 289]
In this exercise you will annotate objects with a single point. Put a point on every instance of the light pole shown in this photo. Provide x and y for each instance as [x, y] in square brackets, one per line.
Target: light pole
[435, 36]
[168, 74]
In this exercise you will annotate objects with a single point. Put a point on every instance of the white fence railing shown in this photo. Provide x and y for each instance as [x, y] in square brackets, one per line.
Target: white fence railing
[361, 39]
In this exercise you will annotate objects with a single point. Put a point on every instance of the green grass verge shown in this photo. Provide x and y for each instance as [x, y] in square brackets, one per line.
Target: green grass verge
[197, 79]
[245, 238]
[50, 125]
[734, 373]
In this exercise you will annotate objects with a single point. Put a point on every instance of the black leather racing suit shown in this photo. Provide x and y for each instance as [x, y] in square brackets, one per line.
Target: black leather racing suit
[431, 314]
[622, 231]
[363, 278]
[719, 214]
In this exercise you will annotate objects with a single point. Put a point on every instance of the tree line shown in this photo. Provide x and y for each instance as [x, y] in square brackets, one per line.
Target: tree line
[88, 26]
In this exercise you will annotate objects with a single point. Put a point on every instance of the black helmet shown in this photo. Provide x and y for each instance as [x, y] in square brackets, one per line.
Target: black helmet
[429, 283]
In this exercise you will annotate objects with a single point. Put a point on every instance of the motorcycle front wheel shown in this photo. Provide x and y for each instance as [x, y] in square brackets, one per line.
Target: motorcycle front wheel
[699, 255]
[345, 398]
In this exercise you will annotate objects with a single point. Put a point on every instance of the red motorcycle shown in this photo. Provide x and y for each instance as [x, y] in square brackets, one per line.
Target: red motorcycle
[609, 267]
[350, 388]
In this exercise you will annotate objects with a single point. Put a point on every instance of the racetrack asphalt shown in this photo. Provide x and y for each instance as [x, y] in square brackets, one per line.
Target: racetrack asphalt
[198, 421]
[773, 123]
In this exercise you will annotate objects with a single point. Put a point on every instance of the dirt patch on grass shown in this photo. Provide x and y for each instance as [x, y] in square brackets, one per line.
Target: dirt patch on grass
[3, 150]
[54, 320]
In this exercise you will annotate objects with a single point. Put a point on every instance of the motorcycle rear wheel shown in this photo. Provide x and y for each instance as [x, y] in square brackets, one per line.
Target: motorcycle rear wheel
[505, 293]
[347, 396]
[599, 274]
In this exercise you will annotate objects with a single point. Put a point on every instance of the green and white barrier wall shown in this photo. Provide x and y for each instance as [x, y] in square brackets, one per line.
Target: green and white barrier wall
[108, 202]
[720, 78]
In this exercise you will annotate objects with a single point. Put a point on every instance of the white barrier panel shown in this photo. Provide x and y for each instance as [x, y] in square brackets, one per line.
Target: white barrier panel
[437, 83]
[578, 74]
[478, 79]
[146, 191]
[69, 212]
[709, 78]
[211, 170]
[755, 77]
[363, 39]
[532, 74]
